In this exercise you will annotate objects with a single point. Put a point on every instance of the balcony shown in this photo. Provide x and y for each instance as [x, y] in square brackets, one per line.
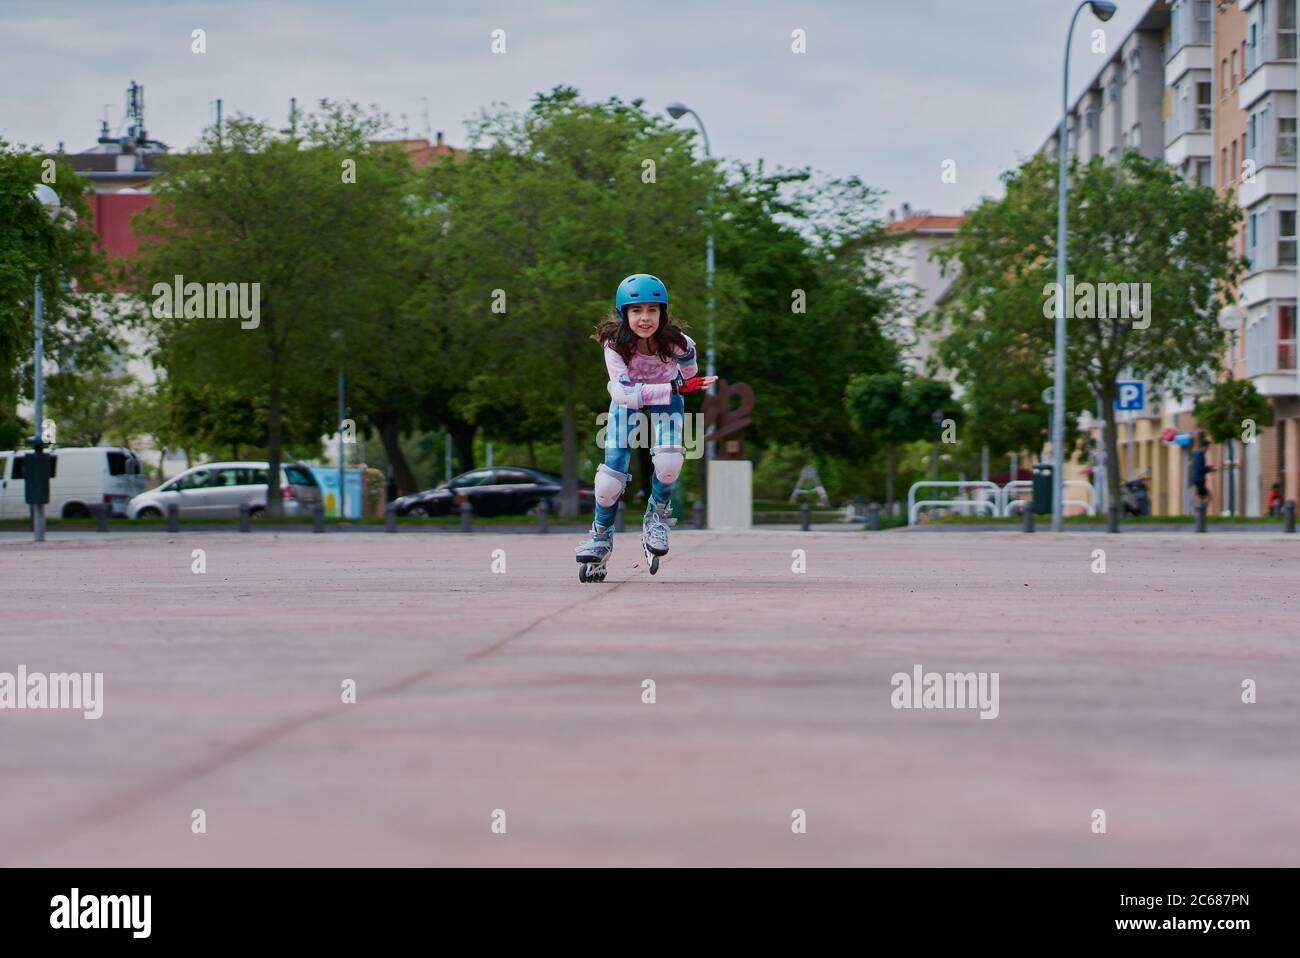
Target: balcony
[1271, 352]
[1269, 181]
[1194, 144]
[1264, 284]
[1267, 79]
[1193, 56]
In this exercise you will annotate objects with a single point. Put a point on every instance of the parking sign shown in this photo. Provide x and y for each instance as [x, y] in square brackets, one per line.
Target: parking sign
[1131, 395]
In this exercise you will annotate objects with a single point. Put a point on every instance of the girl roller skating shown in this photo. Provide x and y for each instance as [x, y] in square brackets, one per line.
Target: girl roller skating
[651, 362]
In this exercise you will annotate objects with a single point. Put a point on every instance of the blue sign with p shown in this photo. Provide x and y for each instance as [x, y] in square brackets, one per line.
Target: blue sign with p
[1130, 395]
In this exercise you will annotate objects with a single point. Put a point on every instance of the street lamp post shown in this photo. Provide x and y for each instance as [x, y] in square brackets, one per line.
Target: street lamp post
[677, 111]
[1103, 10]
[49, 199]
[342, 453]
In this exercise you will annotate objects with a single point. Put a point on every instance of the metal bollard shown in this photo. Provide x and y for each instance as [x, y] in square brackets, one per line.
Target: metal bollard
[543, 511]
[805, 515]
[1029, 518]
[245, 517]
[173, 517]
[873, 517]
[1112, 517]
[466, 511]
[390, 518]
[318, 518]
[620, 516]
[1200, 516]
[1288, 511]
[697, 514]
[100, 513]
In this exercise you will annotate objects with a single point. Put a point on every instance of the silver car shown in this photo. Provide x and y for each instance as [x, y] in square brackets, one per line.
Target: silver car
[218, 489]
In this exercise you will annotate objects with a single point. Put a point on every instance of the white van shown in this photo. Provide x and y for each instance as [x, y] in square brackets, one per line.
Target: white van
[80, 478]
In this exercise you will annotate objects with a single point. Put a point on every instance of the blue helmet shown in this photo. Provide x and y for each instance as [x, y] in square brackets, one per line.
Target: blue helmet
[640, 288]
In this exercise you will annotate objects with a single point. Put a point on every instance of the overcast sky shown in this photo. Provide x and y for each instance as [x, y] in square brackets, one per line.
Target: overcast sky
[887, 90]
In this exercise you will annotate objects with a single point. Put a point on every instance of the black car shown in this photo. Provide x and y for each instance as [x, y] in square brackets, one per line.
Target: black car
[494, 491]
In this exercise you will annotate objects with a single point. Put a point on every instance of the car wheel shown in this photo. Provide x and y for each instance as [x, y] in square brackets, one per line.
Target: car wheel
[76, 510]
[149, 512]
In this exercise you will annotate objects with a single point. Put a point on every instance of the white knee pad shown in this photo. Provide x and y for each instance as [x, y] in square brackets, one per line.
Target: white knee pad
[668, 463]
[609, 485]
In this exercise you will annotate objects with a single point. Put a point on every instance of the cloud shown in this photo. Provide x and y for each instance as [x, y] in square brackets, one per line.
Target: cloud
[886, 91]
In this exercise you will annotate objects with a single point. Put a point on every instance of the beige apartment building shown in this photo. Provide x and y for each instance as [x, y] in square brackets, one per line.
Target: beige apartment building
[1210, 86]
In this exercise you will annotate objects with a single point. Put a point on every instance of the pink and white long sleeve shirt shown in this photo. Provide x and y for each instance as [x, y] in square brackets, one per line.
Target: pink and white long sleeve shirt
[655, 375]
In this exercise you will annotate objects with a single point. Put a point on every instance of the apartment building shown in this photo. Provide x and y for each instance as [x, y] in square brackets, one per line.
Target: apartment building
[920, 233]
[1210, 86]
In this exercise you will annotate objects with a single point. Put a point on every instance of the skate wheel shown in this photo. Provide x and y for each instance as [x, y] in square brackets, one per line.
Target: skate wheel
[582, 573]
[654, 564]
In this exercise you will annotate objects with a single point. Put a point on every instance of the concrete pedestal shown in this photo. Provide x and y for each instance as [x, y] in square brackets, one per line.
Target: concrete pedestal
[731, 494]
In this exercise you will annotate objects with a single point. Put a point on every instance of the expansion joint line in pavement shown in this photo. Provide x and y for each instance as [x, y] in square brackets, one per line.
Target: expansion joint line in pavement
[115, 807]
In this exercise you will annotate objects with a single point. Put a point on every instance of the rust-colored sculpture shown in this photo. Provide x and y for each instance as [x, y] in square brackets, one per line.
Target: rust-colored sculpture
[728, 423]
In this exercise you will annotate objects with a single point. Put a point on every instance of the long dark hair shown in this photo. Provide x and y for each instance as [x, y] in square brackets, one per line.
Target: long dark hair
[666, 341]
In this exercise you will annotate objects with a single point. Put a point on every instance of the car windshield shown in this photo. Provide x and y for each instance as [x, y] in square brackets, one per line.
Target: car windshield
[299, 476]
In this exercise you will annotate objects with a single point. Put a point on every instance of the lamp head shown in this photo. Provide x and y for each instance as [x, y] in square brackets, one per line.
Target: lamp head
[49, 199]
[1103, 10]
[678, 110]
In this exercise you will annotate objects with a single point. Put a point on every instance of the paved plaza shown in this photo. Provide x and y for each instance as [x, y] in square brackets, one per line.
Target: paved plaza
[493, 689]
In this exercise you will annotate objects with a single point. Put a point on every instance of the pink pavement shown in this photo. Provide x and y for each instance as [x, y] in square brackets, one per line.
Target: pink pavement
[522, 691]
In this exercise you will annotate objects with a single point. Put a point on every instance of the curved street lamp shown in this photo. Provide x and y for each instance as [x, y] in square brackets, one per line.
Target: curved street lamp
[1103, 10]
[45, 195]
[677, 111]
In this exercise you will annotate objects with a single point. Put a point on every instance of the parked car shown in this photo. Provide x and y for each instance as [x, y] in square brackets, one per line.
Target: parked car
[494, 491]
[218, 489]
[80, 478]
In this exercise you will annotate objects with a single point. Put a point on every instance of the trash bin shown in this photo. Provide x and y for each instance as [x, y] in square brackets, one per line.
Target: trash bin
[1042, 503]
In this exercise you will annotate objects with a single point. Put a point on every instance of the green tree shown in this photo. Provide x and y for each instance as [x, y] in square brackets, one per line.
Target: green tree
[806, 284]
[61, 252]
[894, 409]
[287, 210]
[1135, 222]
[1231, 409]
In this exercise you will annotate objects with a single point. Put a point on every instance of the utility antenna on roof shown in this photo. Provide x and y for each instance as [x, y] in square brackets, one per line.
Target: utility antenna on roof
[428, 128]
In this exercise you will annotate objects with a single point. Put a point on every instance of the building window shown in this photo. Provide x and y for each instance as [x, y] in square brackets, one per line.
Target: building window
[1203, 175]
[1232, 174]
[1234, 69]
[1286, 139]
[1204, 108]
[1225, 173]
[1202, 21]
[1286, 337]
[1286, 30]
[1286, 237]
[1252, 234]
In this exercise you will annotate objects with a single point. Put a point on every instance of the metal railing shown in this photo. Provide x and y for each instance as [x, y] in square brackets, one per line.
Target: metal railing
[1000, 503]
